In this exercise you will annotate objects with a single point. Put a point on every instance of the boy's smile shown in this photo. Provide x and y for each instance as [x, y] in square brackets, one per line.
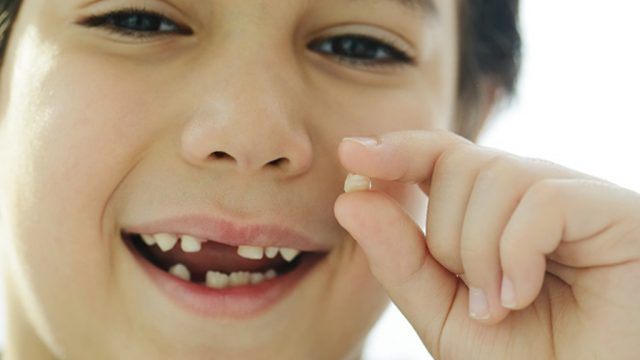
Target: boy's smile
[219, 268]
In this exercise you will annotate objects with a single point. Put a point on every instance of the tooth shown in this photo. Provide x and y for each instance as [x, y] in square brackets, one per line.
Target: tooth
[180, 271]
[239, 278]
[271, 252]
[166, 242]
[251, 252]
[356, 183]
[289, 254]
[148, 239]
[270, 274]
[217, 280]
[189, 244]
[256, 278]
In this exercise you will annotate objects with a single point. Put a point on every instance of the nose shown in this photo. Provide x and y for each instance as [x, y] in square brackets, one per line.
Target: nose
[249, 119]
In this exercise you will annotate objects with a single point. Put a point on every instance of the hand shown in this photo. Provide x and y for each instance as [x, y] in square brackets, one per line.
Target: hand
[522, 259]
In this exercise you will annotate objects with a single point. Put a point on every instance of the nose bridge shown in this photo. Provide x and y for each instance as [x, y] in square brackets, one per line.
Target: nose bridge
[248, 113]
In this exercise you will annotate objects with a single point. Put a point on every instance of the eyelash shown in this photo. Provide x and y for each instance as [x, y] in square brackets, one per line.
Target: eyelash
[111, 21]
[368, 47]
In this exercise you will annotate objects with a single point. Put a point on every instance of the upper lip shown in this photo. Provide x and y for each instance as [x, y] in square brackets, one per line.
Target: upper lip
[229, 232]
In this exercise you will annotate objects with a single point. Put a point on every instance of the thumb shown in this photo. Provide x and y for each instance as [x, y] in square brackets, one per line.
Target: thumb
[398, 257]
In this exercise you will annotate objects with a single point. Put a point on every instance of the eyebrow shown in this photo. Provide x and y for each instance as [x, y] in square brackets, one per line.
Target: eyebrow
[427, 7]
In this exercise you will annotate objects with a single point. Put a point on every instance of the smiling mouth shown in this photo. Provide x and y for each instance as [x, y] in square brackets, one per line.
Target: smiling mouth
[215, 265]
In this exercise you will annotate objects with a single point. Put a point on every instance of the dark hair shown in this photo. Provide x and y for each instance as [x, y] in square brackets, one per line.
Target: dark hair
[489, 54]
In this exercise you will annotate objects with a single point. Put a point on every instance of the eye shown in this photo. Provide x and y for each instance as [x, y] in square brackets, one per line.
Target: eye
[136, 23]
[361, 50]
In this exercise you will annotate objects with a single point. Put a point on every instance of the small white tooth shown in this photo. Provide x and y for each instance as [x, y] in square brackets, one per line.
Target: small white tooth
[190, 244]
[270, 274]
[289, 254]
[181, 271]
[166, 242]
[356, 183]
[217, 280]
[251, 252]
[256, 278]
[148, 239]
[239, 278]
[271, 252]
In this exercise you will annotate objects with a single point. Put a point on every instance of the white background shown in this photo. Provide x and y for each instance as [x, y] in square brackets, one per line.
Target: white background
[576, 106]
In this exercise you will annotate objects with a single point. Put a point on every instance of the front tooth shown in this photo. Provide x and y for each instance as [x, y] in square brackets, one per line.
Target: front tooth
[270, 274]
[239, 278]
[251, 252]
[217, 280]
[271, 252]
[181, 271]
[166, 242]
[148, 239]
[256, 278]
[289, 254]
[190, 244]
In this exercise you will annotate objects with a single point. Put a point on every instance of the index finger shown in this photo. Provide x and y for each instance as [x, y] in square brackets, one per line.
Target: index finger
[404, 156]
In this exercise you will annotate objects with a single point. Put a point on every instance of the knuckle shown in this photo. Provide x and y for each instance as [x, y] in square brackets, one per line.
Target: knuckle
[503, 169]
[543, 193]
[451, 162]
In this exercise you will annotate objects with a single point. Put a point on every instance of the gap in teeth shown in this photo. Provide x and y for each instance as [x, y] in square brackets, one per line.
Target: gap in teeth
[192, 244]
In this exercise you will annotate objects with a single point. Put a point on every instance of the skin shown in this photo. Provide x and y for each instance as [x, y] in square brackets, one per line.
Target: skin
[99, 131]
[569, 242]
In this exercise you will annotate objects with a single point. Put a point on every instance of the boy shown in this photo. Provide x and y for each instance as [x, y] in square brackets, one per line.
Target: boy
[171, 170]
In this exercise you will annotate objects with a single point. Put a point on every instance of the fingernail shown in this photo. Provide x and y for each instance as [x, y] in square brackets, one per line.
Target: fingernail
[478, 304]
[356, 183]
[508, 293]
[366, 141]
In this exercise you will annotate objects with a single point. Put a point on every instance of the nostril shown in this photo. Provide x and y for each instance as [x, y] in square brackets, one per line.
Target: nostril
[278, 162]
[220, 155]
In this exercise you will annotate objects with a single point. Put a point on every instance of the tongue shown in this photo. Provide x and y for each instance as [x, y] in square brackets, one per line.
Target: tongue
[213, 256]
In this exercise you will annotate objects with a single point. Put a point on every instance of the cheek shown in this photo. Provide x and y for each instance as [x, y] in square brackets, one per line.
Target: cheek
[65, 149]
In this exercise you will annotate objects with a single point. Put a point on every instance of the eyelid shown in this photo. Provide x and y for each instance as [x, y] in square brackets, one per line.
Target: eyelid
[101, 14]
[383, 35]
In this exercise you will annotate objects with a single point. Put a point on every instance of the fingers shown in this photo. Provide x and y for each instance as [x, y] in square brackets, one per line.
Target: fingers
[493, 217]
[407, 156]
[586, 223]
[451, 187]
[498, 187]
[398, 257]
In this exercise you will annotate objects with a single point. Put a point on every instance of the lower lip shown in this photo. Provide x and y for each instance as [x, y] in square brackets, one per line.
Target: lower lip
[234, 302]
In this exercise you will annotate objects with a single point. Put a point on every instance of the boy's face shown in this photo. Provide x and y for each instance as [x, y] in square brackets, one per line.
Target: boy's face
[228, 134]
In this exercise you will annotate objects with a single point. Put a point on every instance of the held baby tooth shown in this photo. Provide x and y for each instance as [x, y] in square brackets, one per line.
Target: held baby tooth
[271, 252]
[217, 280]
[190, 244]
[180, 271]
[148, 239]
[289, 254]
[166, 242]
[356, 183]
[251, 252]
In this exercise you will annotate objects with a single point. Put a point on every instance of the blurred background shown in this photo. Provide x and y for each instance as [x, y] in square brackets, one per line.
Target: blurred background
[578, 105]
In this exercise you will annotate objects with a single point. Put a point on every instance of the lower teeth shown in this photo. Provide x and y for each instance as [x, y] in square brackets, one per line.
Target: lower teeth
[220, 280]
